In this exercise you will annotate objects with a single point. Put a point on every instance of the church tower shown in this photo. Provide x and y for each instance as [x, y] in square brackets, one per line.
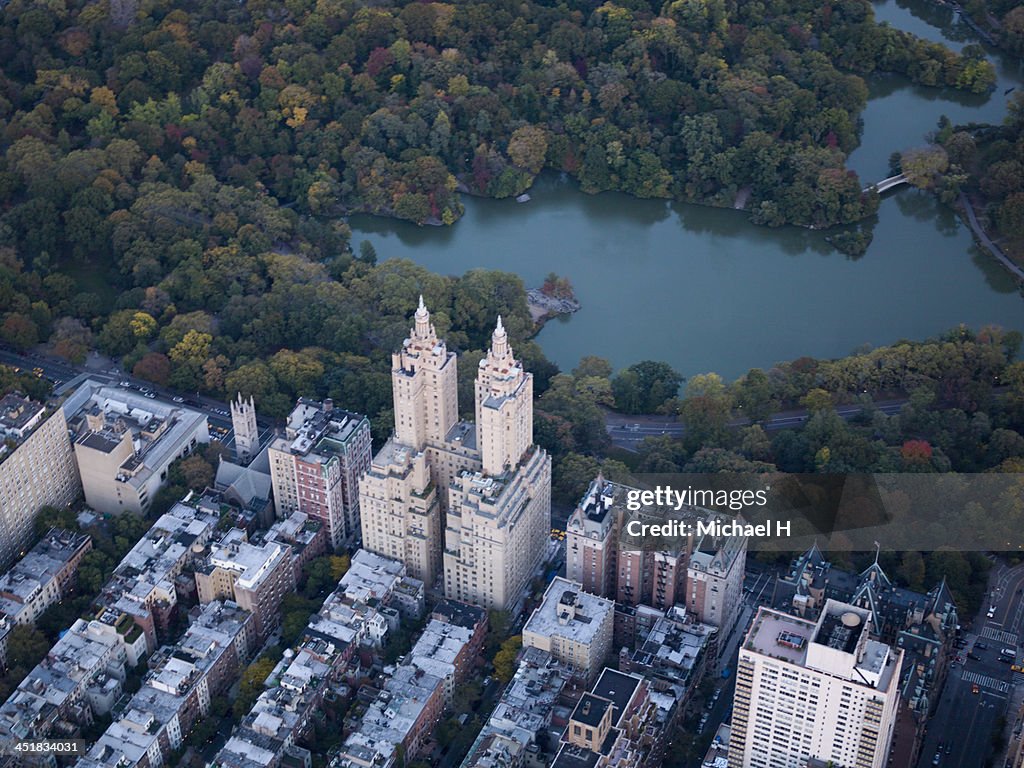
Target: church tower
[247, 433]
[425, 385]
[504, 406]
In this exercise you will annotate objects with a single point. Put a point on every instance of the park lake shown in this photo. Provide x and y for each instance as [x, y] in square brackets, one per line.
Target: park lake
[704, 290]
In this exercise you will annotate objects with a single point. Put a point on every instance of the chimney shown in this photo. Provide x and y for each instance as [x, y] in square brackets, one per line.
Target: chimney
[328, 405]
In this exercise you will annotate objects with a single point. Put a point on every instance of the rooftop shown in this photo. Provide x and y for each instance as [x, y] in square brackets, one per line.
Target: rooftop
[252, 563]
[674, 646]
[31, 575]
[150, 566]
[839, 644]
[591, 709]
[571, 756]
[318, 431]
[398, 707]
[371, 576]
[780, 636]
[101, 414]
[568, 611]
[18, 415]
[618, 688]
[175, 673]
[80, 655]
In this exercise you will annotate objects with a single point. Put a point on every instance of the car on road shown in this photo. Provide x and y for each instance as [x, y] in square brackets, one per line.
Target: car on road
[973, 656]
[949, 748]
[179, 399]
[151, 395]
[937, 758]
[981, 646]
[125, 383]
[975, 688]
[992, 612]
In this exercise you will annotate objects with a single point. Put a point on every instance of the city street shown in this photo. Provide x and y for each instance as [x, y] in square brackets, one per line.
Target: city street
[966, 721]
[627, 431]
[61, 372]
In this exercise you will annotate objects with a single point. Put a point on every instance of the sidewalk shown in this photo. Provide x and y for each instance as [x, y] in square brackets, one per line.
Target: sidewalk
[986, 241]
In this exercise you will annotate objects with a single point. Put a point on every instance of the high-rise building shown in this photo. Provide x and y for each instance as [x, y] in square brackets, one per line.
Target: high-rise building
[504, 407]
[400, 510]
[481, 491]
[37, 469]
[425, 383]
[315, 467]
[824, 690]
[247, 433]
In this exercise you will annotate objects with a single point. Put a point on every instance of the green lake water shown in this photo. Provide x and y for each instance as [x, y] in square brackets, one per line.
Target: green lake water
[704, 290]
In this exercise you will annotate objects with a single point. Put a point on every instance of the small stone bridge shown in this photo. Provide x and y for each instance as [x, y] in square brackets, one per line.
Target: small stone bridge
[886, 184]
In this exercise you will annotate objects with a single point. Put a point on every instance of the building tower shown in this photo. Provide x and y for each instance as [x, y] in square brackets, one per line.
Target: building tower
[425, 386]
[316, 465]
[247, 434]
[499, 512]
[504, 406]
[827, 691]
[481, 492]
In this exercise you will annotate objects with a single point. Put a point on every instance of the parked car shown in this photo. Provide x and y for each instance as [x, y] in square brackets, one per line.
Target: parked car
[151, 395]
[179, 399]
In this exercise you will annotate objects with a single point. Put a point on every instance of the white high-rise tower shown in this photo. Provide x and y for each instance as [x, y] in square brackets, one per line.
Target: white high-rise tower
[247, 433]
[824, 690]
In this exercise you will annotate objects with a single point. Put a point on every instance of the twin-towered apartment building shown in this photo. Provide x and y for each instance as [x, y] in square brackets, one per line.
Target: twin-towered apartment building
[466, 506]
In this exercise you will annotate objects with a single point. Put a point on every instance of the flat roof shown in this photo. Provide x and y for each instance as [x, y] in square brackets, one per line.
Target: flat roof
[780, 636]
[551, 618]
[571, 756]
[618, 688]
[590, 710]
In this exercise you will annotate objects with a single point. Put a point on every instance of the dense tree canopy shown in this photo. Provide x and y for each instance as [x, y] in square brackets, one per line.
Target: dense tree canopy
[991, 161]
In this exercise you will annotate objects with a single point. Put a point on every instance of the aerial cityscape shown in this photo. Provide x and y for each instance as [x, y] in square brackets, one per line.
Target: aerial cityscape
[491, 384]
